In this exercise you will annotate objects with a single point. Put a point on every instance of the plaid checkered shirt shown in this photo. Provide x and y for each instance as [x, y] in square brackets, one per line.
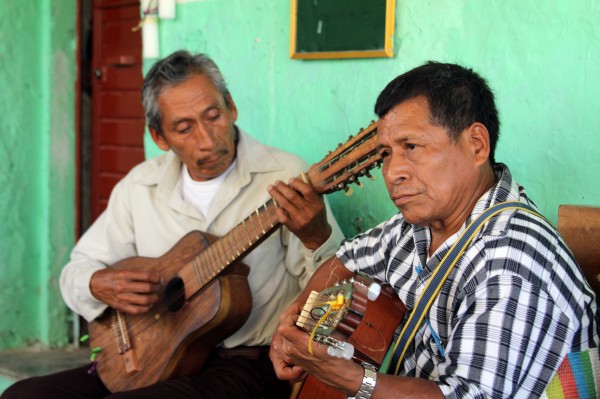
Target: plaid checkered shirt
[512, 308]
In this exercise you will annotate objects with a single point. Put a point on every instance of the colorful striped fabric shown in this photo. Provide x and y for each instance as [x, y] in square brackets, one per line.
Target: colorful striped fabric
[577, 377]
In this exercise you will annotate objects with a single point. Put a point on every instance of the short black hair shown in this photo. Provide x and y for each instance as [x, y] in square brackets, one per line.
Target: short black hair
[457, 98]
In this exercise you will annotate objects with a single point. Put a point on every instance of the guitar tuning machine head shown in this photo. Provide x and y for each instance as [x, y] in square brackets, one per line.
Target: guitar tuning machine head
[348, 191]
[374, 291]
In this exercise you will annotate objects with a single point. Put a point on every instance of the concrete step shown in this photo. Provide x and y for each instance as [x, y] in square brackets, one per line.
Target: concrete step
[17, 364]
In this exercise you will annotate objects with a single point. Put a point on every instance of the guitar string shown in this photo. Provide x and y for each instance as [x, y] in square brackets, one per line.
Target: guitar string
[332, 274]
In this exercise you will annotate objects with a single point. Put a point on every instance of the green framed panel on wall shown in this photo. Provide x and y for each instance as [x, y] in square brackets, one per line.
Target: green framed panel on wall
[342, 28]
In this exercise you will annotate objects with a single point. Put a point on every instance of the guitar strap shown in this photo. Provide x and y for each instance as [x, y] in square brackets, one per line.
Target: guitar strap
[433, 286]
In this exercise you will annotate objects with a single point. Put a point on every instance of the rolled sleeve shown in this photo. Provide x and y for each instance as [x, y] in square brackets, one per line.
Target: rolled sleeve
[75, 288]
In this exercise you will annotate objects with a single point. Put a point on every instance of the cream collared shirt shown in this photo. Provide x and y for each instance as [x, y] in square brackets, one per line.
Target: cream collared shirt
[146, 216]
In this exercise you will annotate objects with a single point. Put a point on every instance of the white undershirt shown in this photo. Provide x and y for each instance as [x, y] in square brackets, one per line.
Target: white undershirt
[201, 193]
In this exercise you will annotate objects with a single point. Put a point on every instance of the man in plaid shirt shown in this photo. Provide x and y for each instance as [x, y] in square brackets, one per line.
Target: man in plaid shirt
[516, 302]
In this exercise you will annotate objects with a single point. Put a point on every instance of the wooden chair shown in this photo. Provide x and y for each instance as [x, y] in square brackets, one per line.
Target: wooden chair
[580, 228]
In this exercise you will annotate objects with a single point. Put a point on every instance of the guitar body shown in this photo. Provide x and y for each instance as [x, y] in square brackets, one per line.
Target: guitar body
[313, 388]
[369, 326]
[164, 344]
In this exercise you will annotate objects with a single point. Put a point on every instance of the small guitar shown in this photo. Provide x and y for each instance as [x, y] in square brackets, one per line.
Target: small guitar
[206, 297]
[356, 319]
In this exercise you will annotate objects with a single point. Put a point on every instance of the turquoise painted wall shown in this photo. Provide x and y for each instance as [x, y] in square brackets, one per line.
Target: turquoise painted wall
[541, 57]
[37, 77]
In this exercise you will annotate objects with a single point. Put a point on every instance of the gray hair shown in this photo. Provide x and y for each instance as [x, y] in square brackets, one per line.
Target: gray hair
[169, 72]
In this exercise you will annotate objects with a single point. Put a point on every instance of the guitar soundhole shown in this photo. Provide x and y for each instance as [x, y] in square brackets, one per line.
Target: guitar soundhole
[174, 294]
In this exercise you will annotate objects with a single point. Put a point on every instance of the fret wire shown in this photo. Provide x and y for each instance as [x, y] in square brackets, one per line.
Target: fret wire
[247, 233]
[260, 221]
[240, 238]
[215, 260]
[235, 242]
[255, 231]
[233, 247]
[267, 207]
[223, 253]
[273, 209]
[227, 251]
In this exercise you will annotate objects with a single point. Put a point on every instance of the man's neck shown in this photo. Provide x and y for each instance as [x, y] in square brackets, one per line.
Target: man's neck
[440, 233]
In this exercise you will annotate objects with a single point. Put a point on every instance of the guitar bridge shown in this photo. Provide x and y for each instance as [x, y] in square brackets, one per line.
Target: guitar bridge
[124, 344]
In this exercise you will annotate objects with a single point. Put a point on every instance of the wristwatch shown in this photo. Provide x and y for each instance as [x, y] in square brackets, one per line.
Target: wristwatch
[368, 383]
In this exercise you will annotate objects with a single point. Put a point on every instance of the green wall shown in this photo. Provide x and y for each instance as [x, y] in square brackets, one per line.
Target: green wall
[37, 47]
[541, 57]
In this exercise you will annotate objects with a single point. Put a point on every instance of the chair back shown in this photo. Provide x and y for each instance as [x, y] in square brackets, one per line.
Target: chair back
[580, 228]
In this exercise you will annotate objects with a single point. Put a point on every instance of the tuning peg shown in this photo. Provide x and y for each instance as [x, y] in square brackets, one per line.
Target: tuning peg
[369, 175]
[348, 191]
[359, 183]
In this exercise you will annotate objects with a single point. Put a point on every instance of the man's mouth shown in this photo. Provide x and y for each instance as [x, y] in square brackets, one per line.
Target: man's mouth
[402, 199]
[211, 159]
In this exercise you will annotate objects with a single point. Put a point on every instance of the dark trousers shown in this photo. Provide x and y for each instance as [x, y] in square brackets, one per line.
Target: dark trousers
[229, 377]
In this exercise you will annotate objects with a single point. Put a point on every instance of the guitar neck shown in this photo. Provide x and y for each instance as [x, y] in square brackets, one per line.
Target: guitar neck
[231, 247]
[338, 169]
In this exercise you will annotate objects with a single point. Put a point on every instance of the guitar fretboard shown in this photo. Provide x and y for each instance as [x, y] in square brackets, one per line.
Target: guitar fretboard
[235, 244]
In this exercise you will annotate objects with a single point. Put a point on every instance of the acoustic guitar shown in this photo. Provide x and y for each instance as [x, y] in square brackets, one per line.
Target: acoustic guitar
[205, 297]
[356, 319]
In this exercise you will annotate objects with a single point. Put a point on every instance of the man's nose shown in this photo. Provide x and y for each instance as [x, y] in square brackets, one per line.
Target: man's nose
[205, 137]
[396, 169]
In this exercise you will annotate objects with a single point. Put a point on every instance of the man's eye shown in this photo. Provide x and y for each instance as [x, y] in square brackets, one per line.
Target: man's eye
[411, 146]
[384, 153]
[184, 129]
[214, 117]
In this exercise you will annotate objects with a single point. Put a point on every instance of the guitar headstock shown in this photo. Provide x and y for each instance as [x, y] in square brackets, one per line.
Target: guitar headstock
[351, 160]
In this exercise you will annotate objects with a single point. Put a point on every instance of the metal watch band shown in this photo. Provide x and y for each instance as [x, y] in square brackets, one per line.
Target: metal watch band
[368, 383]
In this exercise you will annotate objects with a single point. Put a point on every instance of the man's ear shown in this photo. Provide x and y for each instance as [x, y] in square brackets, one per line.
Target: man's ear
[232, 107]
[159, 140]
[480, 142]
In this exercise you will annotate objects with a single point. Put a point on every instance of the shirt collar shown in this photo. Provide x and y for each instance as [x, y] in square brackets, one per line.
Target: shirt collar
[505, 189]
